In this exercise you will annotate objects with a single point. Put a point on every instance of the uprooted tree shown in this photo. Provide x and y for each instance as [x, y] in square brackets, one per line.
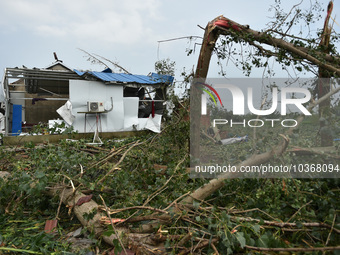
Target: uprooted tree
[149, 177]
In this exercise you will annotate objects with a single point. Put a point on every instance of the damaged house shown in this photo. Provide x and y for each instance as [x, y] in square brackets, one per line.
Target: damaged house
[89, 101]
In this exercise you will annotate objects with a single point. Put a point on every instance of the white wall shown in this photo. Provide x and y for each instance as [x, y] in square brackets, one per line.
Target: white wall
[83, 91]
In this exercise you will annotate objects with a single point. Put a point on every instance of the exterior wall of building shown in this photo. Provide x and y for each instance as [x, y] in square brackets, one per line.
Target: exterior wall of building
[39, 110]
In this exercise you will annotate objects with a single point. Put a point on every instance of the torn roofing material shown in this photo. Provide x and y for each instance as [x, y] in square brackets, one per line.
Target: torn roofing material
[152, 79]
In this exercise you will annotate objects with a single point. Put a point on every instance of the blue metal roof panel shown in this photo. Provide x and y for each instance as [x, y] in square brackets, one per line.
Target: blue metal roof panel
[105, 76]
[129, 78]
[121, 77]
[80, 73]
[162, 78]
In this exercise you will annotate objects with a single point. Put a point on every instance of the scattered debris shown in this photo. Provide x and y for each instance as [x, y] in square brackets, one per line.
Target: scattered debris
[83, 200]
[234, 140]
[106, 221]
[50, 226]
[77, 232]
[81, 244]
[4, 174]
[126, 252]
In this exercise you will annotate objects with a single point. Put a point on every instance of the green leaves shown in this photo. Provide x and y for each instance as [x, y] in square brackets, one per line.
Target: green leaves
[109, 231]
[165, 66]
[256, 228]
[27, 236]
[241, 239]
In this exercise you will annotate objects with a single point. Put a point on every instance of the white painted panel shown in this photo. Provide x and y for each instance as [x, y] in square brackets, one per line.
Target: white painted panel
[82, 92]
[142, 123]
[131, 113]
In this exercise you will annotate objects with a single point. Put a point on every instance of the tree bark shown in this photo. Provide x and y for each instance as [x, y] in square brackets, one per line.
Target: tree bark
[70, 199]
[209, 40]
[139, 242]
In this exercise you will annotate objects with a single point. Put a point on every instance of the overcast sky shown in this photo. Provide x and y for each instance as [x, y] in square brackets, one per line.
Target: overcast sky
[126, 31]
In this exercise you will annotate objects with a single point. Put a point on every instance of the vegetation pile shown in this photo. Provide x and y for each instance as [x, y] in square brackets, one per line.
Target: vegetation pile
[129, 193]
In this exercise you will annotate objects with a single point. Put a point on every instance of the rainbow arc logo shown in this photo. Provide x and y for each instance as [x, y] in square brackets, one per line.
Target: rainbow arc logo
[204, 98]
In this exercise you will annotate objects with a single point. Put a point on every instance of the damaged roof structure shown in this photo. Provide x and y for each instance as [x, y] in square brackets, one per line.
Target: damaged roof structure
[87, 100]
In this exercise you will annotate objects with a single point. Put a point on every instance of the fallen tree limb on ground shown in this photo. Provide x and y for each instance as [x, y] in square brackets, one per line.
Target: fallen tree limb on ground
[215, 184]
[324, 151]
[118, 163]
[141, 243]
[311, 249]
[288, 224]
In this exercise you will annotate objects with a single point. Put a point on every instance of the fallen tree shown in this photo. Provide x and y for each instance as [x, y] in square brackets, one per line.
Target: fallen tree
[149, 227]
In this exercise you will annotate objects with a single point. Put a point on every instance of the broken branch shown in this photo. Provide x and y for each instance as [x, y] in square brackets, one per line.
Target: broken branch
[118, 163]
[113, 227]
[333, 248]
[110, 211]
[287, 224]
[268, 39]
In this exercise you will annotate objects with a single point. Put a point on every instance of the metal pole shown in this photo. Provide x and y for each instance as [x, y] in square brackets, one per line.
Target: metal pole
[7, 103]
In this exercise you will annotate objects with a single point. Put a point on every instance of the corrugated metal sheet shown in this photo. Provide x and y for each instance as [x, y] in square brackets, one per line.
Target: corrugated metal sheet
[152, 79]
[162, 78]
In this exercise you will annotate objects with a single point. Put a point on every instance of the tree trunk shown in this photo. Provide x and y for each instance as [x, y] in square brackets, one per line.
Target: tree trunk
[210, 36]
[141, 243]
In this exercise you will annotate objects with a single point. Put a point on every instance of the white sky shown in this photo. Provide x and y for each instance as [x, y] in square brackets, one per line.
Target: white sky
[126, 31]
